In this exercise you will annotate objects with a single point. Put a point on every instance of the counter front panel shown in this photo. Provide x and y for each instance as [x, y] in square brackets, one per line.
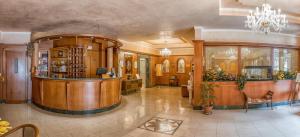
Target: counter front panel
[80, 95]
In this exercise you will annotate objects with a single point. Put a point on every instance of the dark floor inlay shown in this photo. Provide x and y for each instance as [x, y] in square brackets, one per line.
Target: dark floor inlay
[162, 125]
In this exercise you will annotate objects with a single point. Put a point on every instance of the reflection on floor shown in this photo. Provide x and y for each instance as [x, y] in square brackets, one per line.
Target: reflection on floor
[164, 103]
[162, 125]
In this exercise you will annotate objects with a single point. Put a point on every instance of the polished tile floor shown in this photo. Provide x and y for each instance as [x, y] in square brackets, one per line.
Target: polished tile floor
[162, 102]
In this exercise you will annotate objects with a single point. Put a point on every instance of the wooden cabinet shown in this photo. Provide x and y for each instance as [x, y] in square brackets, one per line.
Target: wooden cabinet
[131, 86]
[59, 62]
[67, 62]
[76, 68]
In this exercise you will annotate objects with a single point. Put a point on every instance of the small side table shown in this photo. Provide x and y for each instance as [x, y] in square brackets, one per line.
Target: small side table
[184, 91]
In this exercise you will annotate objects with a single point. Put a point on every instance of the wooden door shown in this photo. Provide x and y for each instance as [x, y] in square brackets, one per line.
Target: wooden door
[2, 92]
[92, 63]
[15, 68]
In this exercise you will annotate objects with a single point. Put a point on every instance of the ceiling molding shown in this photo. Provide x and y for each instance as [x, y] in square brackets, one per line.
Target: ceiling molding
[238, 8]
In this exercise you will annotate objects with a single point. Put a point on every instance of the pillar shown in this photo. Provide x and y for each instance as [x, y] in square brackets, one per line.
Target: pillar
[198, 70]
[109, 58]
[35, 58]
[103, 52]
[116, 51]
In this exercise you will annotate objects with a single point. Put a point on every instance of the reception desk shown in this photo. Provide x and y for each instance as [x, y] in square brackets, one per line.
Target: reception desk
[76, 96]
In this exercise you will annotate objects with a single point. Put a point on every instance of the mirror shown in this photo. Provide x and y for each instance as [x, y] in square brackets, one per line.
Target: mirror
[166, 66]
[128, 64]
[181, 66]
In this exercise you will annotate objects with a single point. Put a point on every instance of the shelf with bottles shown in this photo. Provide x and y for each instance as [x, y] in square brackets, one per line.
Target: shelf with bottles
[60, 52]
[76, 64]
[42, 67]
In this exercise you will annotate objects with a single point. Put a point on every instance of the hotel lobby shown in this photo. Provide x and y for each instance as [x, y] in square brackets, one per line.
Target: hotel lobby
[162, 68]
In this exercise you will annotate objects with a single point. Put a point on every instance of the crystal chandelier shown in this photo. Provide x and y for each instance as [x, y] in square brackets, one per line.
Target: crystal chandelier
[266, 20]
[165, 52]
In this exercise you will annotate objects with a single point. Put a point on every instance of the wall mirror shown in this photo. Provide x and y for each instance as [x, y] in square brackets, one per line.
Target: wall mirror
[128, 64]
[181, 66]
[166, 66]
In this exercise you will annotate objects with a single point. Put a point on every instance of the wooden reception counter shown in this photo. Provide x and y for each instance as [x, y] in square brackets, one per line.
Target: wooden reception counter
[76, 96]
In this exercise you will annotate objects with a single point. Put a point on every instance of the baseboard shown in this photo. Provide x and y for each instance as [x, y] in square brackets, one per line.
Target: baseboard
[253, 106]
[15, 102]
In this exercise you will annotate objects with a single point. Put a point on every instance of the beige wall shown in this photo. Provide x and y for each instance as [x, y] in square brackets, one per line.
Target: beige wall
[138, 47]
[182, 51]
[14, 37]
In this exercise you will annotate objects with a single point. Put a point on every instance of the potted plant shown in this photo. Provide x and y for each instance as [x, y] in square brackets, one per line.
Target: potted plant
[241, 82]
[207, 94]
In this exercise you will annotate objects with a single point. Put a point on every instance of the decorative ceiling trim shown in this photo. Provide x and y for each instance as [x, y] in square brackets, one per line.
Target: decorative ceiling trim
[233, 35]
[236, 8]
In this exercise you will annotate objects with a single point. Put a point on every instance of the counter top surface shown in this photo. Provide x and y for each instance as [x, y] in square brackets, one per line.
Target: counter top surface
[73, 78]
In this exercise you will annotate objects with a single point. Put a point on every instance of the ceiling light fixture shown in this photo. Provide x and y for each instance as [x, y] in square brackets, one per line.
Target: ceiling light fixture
[266, 20]
[165, 52]
[165, 36]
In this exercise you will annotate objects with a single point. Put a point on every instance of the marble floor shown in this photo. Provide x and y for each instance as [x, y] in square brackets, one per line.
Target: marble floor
[162, 102]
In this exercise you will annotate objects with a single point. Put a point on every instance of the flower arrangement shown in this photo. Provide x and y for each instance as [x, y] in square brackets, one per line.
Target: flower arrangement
[210, 75]
[283, 75]
[4, 127]
[217, 75]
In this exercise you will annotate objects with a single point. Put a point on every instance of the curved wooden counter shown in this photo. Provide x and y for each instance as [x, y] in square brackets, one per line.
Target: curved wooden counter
[76, 96]
[228, 96]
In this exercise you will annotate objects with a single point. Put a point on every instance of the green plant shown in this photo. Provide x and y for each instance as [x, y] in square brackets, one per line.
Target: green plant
[210, 75]
[207, 93]
[290, 75]
[241, 82]
[217, 75]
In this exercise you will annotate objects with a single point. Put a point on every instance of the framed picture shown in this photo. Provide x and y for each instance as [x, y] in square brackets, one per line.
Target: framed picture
[298, 77]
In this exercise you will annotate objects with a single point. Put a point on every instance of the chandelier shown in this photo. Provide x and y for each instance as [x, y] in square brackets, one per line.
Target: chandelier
[266, 20]
[165, 52]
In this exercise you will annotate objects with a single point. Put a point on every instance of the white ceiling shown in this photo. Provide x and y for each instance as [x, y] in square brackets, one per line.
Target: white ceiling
[133, 20]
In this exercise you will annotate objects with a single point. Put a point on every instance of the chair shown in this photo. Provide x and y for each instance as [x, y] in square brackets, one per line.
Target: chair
[266, 99]
[28, 130]
[173, 81]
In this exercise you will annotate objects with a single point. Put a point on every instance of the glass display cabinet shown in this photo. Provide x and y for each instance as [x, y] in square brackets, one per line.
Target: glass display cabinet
[258, 72]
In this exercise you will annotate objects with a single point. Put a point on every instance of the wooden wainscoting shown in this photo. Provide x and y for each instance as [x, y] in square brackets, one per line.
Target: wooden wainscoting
[182, 77]
[227, 93]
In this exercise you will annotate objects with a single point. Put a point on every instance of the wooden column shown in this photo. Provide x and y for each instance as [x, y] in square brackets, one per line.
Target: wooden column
[103, 52]
[35, 58]
[198, 69]
[116, 60]
[109, 58]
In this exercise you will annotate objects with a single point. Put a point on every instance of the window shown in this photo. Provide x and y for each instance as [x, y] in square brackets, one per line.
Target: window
[222, 58]
[166, 66]
[181, 66]
[256, 56]
[256, 62]
[285, 60]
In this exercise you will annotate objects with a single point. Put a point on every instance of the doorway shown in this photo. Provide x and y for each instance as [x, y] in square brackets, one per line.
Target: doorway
[144, 70]
[14, 81]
